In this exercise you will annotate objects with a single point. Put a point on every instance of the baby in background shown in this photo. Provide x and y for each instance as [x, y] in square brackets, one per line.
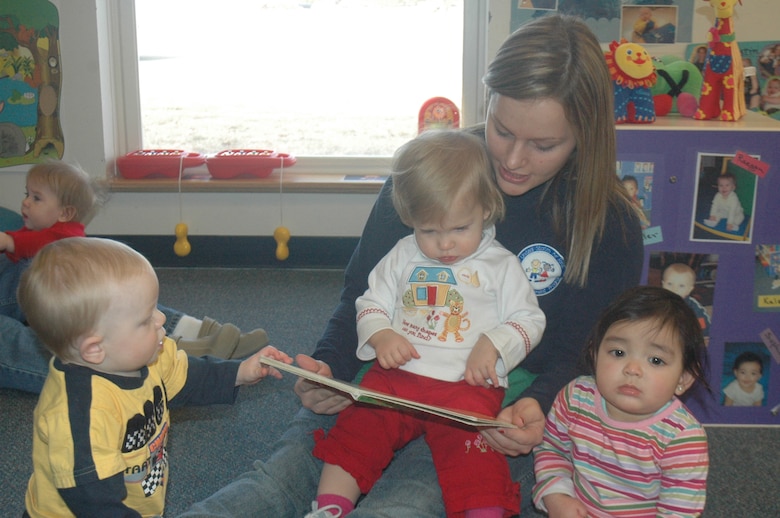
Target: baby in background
[770, 101]
[681, 279]
[745, 390]
[102, 421]
[60, 200]
[632, 186]
[643, 25]
[726, 204]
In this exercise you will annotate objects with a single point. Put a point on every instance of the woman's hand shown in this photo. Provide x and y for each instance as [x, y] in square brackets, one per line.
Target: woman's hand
[527, 415]
[318, 399]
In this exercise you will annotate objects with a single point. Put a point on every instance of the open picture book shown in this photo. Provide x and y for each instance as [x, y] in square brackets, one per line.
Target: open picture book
[373, 397]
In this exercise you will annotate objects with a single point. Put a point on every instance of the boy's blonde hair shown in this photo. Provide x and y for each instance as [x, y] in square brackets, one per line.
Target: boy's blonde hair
[437, 167]
[72, 186]
[67, 288]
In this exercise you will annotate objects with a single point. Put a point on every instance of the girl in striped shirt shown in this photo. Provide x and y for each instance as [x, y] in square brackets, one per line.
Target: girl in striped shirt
[620, 442]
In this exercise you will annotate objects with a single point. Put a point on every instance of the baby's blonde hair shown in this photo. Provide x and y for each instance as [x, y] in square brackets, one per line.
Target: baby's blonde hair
[72, 186]
[680, 269]
[438, 167]
[67, 288]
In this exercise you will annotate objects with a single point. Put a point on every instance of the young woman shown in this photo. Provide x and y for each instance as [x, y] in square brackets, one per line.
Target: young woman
[551, 138]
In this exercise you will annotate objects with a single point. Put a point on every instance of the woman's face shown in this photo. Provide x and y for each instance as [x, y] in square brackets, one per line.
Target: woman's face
[529, 141]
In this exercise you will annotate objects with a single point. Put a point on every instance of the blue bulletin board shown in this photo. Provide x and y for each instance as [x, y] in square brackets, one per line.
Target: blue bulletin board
[737, 272]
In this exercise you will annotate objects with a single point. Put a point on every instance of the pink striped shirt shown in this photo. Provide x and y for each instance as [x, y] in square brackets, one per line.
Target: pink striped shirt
[654, 467]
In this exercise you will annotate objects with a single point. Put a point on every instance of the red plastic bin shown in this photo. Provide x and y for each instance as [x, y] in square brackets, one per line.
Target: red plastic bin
[160, 163]
[258, 163]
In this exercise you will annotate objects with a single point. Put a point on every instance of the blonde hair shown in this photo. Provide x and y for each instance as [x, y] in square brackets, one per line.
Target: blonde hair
[680, 269]
[439, 166]
[72, 186]
[66, 290]
[558, 57]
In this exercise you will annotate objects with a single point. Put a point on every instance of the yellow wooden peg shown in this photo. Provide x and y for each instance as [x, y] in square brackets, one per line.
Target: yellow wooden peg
[282, 236]
[181, 247]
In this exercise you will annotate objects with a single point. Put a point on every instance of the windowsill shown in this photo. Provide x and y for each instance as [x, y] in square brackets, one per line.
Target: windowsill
[351, 175]
[298, 183]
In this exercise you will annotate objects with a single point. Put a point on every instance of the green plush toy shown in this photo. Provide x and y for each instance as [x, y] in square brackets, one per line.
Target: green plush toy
[677, 88]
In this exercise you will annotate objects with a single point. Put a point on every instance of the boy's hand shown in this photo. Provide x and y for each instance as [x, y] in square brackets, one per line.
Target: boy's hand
[251, 370]
[392, 349]
[6, 243]
[481, 365]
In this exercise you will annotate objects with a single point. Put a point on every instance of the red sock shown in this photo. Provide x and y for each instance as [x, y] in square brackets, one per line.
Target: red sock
[485, 512]
[345, 504]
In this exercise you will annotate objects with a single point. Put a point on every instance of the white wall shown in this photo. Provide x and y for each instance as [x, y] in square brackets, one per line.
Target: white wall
[87, 101]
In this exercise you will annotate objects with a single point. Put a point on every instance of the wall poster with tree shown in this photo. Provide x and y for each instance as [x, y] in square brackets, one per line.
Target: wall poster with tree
[30, 82]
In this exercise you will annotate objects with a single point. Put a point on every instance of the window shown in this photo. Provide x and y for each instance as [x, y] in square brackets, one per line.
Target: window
[324, 78]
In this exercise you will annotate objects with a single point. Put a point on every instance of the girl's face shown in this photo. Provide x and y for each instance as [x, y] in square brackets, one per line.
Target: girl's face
[725, 186]
[529, 141]
[748, 374]
[131, 332]
[456, 236]
[40, 207]
[639, 367]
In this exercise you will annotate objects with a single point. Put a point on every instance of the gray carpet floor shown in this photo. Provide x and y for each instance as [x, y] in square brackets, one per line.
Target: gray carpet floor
[209, 446]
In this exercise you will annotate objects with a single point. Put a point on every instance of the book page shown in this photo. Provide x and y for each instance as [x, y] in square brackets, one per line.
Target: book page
[374, 397]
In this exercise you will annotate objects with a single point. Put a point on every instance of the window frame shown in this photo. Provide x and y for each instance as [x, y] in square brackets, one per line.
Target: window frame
[125, 88]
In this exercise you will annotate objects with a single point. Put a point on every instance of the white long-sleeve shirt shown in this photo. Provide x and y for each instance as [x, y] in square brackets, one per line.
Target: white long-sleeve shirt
[729, 208]
[433, 305]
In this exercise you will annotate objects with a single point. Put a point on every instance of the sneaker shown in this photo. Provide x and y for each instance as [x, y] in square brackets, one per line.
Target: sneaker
[329, 511]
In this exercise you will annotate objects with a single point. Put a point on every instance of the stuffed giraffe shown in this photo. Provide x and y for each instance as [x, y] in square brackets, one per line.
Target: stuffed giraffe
[722, 92]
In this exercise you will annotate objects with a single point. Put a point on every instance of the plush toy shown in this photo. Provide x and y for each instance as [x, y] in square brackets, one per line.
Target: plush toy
[633, 73]
[677, 87]
[723, 72]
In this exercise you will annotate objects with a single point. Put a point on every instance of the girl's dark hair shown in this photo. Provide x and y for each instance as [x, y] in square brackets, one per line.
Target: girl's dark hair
[748, 356]
[653, 302]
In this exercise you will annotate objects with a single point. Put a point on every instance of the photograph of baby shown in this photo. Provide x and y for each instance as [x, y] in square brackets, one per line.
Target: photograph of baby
[692, 277]
[538, 4]
[725, 197]
[766, 285]
[649, 24]
[746, 374]
[637, 178]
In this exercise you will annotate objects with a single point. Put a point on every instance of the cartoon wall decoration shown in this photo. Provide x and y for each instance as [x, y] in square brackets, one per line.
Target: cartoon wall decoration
[30, 82]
